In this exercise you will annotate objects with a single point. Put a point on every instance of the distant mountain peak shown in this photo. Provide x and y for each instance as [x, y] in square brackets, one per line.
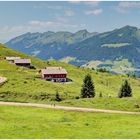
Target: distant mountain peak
[82, 31]
[128, 27]
[49, 32]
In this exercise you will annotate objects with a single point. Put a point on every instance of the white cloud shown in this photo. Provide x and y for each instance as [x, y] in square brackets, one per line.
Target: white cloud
[129, 4]
[126, 6]
[55, 7]
[89, 3]
[74, 2]
[69, 13]
[120, 10]
[51, 25]
[92, 3]
[46, 5]
[94, 12]
[62, 19]
[40, 23]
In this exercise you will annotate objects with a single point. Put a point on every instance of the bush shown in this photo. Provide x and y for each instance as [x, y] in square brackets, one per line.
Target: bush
[43, 96]
[102, 70]
[77, 97]
[136, 106]
[25, 82]
[57, 97]
[100, 94]
[132, 75]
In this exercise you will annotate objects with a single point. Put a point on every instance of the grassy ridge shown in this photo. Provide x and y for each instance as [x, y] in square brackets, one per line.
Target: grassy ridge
[24, 85]
[115, 45]
[28, 122]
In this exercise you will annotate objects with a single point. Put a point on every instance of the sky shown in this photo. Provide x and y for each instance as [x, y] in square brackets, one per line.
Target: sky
[17, 17]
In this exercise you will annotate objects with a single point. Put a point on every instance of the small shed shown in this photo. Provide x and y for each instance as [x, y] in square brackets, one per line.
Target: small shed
[56, 74]
[22, 62]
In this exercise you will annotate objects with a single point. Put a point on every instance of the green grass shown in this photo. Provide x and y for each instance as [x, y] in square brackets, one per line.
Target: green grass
[127, 104]
[35, 53]
[68, 59]
[23, 85]
[115, 65]
[115, 45]
[123, 62]
[28, 122]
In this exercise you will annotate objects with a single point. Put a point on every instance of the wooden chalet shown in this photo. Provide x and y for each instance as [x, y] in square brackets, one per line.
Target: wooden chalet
[56, 74]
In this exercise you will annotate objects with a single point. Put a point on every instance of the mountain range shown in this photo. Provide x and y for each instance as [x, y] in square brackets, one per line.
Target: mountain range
[117, 50]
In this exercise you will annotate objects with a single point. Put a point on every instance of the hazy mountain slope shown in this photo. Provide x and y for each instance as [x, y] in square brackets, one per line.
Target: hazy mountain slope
[118, 44]
[120, 47]
[48, 44]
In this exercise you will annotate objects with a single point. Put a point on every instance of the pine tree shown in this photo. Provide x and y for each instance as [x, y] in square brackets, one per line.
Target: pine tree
[125, 90]
[87, 90]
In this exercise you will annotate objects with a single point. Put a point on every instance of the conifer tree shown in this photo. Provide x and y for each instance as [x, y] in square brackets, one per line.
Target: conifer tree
[88, 90]
[125, 90]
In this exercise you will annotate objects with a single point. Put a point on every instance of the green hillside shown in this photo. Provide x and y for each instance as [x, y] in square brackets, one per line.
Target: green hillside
[25, 85]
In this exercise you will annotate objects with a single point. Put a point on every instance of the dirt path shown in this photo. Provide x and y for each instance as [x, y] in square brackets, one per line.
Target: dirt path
[67, 108]
[2, 79]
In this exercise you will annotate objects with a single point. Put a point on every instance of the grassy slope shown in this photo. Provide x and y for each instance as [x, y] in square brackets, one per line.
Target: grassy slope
[27, 122]
[23, 85]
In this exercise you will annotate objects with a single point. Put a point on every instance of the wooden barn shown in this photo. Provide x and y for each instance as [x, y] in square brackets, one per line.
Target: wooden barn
[56, 74]
[22, 62]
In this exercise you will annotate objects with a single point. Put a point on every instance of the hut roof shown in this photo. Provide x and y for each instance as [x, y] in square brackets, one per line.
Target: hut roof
[12, 58]
[22, 61]
[53, 70]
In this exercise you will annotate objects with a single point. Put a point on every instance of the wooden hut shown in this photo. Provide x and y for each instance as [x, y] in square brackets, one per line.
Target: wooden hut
[56, 74]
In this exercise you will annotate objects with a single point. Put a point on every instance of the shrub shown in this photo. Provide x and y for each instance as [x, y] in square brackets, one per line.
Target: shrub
[132, 75]
[77, 97]
[100, 94]
[43, 96]
[102, 70]
[25, 82]
[136, 106]
[57, 97]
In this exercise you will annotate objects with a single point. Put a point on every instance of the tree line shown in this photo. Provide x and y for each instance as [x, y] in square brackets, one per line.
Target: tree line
[88, 89]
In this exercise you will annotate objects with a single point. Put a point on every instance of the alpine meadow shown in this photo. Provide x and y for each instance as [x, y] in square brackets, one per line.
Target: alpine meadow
[69, 70]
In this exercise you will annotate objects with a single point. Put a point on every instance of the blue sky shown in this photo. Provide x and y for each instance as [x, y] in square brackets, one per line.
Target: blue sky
[21, 17]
